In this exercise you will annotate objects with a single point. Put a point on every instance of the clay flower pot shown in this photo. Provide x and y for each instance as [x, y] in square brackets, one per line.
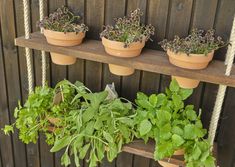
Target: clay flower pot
[167, 164]
[53, 121]
[63, 39]
[117, 49]
[191, 61]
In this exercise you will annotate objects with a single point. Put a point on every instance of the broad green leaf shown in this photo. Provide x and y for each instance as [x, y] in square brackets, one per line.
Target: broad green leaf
[165, 132]
[185, 93]
[89, 128]
[76, 159]
[196, 153]
[210, 162]
[163, 150]
[61, 143]
[144, 104]
[191, 115]
[83, 151]
[65, 160]
[88, 114]
[174, 86]
[108, 137]
[145, 127]
[177, 100]
[98, 124]
[190, 132]
[177, 130]
[153, 100]
[177, 140]
[142, 96]
[163, 117]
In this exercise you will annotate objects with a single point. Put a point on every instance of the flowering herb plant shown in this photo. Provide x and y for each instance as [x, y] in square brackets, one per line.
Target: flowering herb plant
[63, 20]
[197, 42]
[128, 29]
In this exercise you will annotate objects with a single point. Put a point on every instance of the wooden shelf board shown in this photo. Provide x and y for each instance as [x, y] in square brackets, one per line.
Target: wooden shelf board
[138, 147]
[150, 60]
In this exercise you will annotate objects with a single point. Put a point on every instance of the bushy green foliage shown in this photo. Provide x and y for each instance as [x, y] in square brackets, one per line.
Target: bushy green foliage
[173, 126]
[197, 42]
[63, 20]
[128, 29]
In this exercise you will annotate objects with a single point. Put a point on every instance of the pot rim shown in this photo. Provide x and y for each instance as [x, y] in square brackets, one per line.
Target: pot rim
[63, 36]
[191, 54]
[120, 45]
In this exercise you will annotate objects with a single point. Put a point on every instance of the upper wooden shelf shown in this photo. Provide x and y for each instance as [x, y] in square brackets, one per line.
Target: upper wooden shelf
[150, 60]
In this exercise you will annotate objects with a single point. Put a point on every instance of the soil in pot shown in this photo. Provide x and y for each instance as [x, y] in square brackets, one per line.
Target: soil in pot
[117, 49]
[191, 61]
[63, 39]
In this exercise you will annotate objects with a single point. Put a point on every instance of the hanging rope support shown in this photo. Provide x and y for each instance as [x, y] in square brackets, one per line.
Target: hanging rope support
[43, 53]
[222, 88]
[27, 50]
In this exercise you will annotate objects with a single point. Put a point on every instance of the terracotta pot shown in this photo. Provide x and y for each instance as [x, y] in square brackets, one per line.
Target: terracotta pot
[191, 61]
[63, 39]
[115, 48]
[167, 164]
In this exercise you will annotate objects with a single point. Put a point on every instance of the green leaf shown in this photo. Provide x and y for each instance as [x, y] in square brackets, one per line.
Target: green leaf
[144, 104]
[210, 162]
[65, 160]
[177, 140]
[61, 143]
[191, 115]
[190, 132]
[196, 153]
[163, 117]
[76, 159]
[163, 150]
[177, 130]
[185, 93]
[177, 100]
[153, 100]
[98, 124]
[145, 127]
[7, 129]
[142, 96]
[83, 151]
[88, 114]
[174, 86]
[89, 128]
[108, 137]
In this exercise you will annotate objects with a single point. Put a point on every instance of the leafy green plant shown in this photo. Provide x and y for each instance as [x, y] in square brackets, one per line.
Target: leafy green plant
[87, 124]
[197, 42]
[173, 126]
[63, 20]
[128, 29]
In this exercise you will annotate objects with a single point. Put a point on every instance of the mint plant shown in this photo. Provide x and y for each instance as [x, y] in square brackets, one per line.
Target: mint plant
[173, 125]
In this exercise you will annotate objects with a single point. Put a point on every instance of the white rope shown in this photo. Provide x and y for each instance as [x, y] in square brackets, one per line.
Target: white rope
[43, 53]
[27, 50]
[222, 88]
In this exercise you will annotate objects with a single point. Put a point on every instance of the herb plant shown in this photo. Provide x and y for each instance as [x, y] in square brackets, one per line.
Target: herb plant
[128, 29]
[173, 126]
[197, 42]
[86, 123]
[63, 20]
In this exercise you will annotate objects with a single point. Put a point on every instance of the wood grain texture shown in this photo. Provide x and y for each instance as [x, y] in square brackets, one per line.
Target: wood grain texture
[6, 145]
[12, 73]
[150, 60]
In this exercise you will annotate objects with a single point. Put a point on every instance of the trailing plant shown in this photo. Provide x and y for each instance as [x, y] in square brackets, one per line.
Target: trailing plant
[72, 117]
[128, 29]
[63, 20]
[197, 42]
[165, 118]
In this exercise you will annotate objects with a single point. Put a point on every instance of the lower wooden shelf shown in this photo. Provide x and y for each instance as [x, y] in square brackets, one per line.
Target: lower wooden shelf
[150, 60]
[138, 147]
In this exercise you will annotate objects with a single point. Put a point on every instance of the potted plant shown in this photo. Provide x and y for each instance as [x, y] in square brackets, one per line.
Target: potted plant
[82, 122]
[176, 128]
[192, 52]
[63, 28]
[126, 39]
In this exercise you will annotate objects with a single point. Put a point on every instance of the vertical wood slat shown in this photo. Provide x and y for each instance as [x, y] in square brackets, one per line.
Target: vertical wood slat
[45, 158]
[113, 9]
[58, 72]
[11, 72]
[94, 20]
[6, 147]
[76, 71]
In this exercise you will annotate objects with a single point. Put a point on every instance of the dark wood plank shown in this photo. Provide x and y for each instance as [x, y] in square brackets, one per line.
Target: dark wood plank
[76, 71]
[113, 9]
[93, 78]
[157, 16]
[178, 23]
[201, 12]
[58, 72]
[124, 159]
[46, 157]
[11, 73]
[150, 60]
[6, 145]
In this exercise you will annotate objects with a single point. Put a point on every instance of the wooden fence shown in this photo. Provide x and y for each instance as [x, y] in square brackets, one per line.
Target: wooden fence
[170, 17]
